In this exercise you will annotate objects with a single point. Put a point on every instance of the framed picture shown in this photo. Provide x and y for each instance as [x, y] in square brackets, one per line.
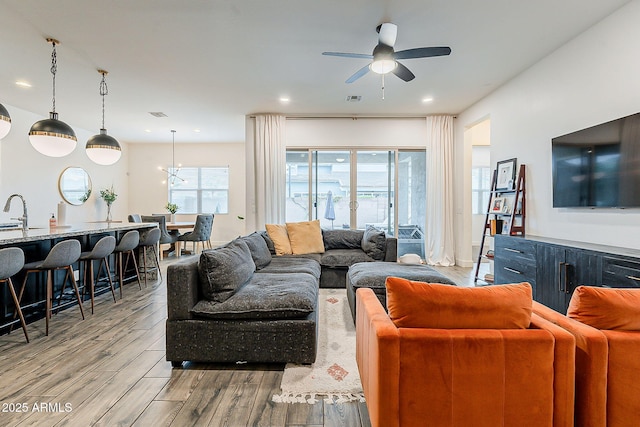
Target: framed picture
[505, 206]
[506, 174]
[497, 205]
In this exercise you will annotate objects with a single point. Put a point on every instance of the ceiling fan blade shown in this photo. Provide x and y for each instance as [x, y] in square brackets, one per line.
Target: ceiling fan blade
[403, 72]
[387, 33]
[422, 52]
[361, 72]
[349, 55]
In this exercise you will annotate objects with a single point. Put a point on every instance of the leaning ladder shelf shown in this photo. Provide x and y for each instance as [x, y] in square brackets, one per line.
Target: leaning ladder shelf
[516, 219]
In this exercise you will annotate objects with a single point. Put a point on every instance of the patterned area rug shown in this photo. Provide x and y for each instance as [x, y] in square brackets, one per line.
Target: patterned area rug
[334, 375]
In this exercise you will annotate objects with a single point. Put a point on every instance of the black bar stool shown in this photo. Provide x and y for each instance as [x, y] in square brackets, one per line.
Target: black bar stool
[11, 262]
[127, 244]
[60, 257]
[150, 239]
[101, 250]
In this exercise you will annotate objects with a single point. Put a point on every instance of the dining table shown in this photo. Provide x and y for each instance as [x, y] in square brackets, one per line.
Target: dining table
[178, 225]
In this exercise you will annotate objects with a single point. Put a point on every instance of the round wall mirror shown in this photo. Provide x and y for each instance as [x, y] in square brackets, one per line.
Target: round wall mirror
[74, 185]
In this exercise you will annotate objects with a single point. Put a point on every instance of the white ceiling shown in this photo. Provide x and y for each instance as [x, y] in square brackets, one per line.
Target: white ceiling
[208, 63]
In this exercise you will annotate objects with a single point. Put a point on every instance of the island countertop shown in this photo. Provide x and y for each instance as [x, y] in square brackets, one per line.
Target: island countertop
[14, 236]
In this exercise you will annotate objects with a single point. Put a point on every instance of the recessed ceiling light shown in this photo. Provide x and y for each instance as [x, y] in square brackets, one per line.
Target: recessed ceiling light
[284, 99]
[22, 83]
[427, 99]
[147, 130]
[196, 130]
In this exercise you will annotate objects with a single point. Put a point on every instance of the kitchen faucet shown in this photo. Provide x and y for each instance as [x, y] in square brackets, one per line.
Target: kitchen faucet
[24, 217]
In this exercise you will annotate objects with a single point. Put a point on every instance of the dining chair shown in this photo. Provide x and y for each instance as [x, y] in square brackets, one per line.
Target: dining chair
[166, 237]
[201, 233]
[134, 218]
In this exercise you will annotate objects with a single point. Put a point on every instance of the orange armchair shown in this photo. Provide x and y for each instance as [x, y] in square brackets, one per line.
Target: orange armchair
[449, 377]
[607, 354]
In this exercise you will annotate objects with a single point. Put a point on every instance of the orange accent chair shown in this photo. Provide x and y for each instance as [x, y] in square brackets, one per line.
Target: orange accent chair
[446, 356]
[606, 325]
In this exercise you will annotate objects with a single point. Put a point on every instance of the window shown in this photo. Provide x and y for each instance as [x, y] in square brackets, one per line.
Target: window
[201, 190]
[480, 188]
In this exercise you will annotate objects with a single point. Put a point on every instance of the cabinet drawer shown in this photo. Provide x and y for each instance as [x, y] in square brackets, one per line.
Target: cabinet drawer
[620, 273]
[520, 250]
[512, 271]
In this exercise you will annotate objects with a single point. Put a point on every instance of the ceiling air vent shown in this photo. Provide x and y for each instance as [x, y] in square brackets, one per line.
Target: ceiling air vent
[158, 114]
[354, 98]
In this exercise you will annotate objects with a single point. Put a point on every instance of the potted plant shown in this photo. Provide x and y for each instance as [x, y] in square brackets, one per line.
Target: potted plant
[109, 196]
[172, 208]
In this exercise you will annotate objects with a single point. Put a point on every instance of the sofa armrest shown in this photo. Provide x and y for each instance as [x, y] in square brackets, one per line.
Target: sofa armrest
[591, 367]
[564, 370]
[378, 357]
[182, 288]
[391, 253]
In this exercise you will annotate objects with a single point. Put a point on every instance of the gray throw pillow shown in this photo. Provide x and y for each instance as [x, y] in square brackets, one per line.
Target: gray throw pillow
[269, 242]
[342, 239]
[374, 243]
[223, 270]
[259, 250]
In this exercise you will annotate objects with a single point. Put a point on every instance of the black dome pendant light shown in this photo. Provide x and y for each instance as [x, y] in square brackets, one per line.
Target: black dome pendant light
[51, 136]
[5, 122]
[102, 148]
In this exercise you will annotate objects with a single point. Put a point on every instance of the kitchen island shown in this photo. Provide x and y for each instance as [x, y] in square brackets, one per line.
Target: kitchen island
[36, 244]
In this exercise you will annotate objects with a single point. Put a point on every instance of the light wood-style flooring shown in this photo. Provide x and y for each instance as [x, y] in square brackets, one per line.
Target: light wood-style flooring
[110, 370]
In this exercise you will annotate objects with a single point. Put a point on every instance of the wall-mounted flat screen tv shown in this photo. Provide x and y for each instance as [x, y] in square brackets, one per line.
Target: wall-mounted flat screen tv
[598, 166]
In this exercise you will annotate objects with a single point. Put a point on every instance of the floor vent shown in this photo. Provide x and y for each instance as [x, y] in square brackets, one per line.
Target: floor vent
[354, 98]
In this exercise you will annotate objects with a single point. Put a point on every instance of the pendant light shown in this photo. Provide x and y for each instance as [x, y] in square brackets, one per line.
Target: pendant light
[51, 136]
[5, 122]
[102, 148]
[172, 174]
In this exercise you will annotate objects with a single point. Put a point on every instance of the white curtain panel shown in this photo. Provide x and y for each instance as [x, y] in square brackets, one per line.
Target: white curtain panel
[439, 244]
[270, 169]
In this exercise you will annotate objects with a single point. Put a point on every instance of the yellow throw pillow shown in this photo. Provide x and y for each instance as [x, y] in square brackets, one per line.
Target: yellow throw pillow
[278, 234]
[305, 237]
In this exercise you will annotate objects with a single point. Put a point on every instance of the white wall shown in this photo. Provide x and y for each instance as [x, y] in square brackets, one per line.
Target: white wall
[147, 193]
[363, 132]
[25, 171]
[592, 79]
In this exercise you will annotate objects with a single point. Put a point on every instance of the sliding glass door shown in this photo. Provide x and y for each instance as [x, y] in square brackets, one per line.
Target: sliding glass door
[356, 188]
[374, 183]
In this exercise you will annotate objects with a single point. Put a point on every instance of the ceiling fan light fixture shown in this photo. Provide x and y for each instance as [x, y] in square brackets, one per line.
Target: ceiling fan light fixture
[383, 66]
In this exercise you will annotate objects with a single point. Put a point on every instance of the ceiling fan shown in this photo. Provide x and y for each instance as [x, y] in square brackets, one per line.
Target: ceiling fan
[385, 59]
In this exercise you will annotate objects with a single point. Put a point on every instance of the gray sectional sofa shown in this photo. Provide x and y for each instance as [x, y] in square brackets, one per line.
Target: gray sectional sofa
[240, 302]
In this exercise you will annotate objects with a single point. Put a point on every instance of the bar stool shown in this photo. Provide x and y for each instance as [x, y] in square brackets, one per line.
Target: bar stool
[101, 250]
[60, 257]
[127, 244]
[150, 239]
[11, 262]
